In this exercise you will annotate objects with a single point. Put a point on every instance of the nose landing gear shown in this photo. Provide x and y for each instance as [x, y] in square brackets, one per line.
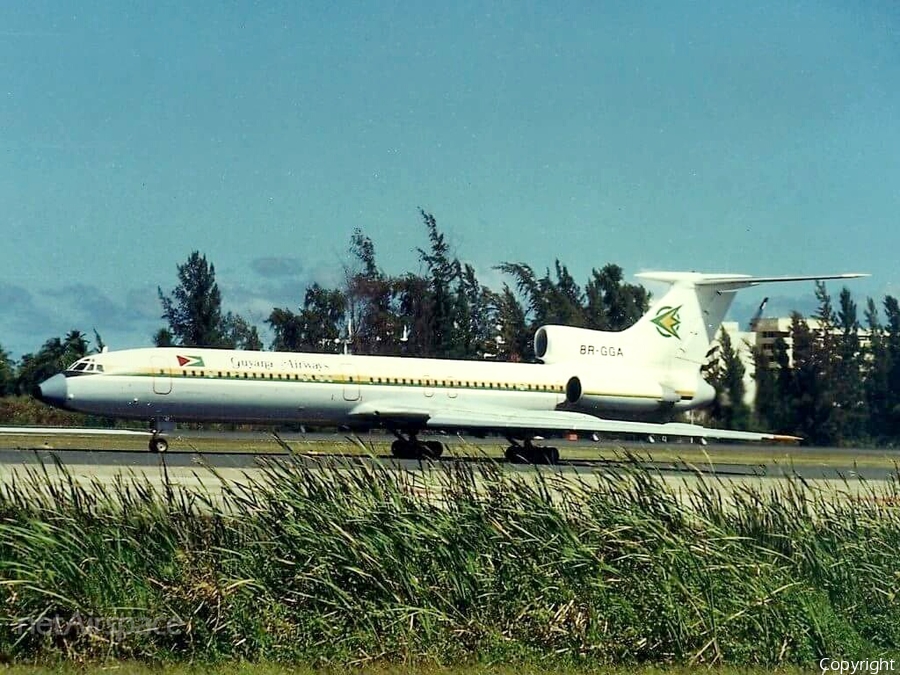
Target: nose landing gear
[158, 426]
[158, 444]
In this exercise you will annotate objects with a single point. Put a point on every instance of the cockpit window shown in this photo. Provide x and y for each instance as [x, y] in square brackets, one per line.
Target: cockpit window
[85, 365]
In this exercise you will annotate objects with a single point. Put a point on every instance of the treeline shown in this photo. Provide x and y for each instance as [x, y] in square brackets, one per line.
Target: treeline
[443, 311]
[833, 381]
[839, 383]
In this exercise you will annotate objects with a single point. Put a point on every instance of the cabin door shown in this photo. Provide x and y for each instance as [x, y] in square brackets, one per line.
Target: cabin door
[162, 381]
[351, 383]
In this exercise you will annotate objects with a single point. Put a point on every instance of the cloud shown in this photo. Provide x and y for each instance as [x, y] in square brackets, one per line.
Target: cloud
[20, 314]
[87, 301]
[275, 267]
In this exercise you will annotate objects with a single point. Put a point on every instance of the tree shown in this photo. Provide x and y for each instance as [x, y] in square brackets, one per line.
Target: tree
[605, 304]
[514, 338]
[727, 377]
[441, 273]
[369, 301]
[53, 357]
[891, 395]
[164, 338]
[612, 304]
[812, 402]
[7, 374]
[775, 388]
[877, 374]
[766, 401]
[849, 396]
[317, 328]
[475, 320]
[548, 301]
[193, 309]
[238, 333]
[414, 301]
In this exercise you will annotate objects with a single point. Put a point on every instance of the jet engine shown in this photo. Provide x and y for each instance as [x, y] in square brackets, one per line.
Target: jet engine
[590, 393]
[556, 344]
[639, 396]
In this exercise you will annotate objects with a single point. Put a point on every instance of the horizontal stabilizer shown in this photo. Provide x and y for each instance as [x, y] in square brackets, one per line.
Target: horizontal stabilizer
[736, 281]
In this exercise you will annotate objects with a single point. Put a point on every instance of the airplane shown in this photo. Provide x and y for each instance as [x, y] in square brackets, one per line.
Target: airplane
[651, 369]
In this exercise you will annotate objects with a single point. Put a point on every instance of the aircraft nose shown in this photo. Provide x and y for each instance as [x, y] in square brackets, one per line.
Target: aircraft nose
[53, 391]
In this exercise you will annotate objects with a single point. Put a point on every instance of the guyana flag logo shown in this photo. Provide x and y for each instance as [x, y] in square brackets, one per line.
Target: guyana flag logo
[190, 361]
[667, 322]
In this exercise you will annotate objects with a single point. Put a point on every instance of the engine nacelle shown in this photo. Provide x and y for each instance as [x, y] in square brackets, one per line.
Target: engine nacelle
[557, 344]
[640, 395]
[598, 393]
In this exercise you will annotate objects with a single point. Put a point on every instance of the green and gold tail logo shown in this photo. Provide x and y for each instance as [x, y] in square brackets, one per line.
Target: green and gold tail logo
[667, 322]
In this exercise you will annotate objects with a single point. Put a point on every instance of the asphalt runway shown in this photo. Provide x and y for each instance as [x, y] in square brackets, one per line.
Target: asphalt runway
[842, 464]
[206, 461]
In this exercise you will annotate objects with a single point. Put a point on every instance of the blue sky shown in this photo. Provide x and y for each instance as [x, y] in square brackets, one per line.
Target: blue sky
[717, 136]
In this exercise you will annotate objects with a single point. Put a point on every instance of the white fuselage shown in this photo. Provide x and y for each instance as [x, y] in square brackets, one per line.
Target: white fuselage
[228, 385]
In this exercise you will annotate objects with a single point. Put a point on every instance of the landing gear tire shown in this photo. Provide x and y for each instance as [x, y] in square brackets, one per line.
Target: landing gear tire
[158, 444]
[402, 449]
[433, 449]
[410, 449]
[516, 454]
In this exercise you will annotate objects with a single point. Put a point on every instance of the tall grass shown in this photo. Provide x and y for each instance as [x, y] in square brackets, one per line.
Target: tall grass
[342, 565]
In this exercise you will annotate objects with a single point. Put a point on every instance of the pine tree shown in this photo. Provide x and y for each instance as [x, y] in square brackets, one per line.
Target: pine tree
[848, 372]
[7, 374]
[729, 410]
[193, 310]
[442, 272]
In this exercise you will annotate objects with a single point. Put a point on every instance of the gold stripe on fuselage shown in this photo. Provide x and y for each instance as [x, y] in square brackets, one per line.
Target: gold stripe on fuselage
[339, 378]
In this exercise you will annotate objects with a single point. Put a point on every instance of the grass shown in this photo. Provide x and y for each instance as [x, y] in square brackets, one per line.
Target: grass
[370, 567]
[243, 668]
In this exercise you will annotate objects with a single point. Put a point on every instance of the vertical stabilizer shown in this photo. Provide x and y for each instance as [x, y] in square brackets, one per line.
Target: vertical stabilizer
[678, 328]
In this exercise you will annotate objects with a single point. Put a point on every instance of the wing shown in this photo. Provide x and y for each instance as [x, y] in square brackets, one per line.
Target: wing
[506, 420]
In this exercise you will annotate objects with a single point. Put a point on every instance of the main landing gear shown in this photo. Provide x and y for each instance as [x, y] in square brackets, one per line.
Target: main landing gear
[531, 454]
[413, 448]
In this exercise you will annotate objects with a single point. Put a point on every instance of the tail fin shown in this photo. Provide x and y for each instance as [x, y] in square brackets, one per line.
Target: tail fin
[683, 323]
